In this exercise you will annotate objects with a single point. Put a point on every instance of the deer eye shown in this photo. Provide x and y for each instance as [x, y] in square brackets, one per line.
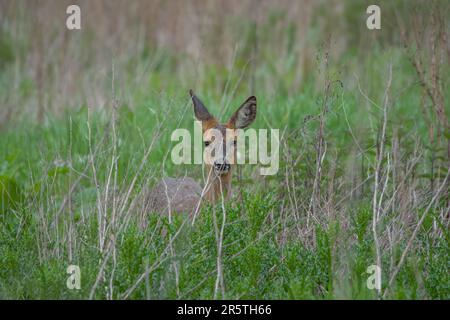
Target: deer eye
[207, 143]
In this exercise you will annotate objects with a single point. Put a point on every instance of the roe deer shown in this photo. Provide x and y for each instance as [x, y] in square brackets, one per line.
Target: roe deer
[185, 194]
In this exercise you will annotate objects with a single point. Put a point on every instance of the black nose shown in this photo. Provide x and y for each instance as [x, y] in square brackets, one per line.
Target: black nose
[222, 166]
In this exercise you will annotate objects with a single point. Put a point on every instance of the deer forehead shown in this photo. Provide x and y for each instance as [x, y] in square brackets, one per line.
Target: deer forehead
[210, 129]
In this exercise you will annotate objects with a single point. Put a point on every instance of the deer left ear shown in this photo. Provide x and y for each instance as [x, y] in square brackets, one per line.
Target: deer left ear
[245, 115]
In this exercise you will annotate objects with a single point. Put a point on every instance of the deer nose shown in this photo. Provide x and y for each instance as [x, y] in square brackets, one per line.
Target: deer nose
[221, 166]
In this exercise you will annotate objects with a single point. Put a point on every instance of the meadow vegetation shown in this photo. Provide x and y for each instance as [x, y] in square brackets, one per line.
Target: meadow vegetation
[85, 124]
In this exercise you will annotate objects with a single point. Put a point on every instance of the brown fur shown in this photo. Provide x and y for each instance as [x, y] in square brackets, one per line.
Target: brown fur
[184, 195]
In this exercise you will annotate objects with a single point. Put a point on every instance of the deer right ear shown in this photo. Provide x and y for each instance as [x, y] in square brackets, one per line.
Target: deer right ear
[201, 113]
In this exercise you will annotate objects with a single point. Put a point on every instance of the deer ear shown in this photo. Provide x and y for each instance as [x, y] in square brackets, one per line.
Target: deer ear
[201, 113]
[245, 115]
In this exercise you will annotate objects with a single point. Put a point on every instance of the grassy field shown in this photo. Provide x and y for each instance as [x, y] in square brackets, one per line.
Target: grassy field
[85, 126]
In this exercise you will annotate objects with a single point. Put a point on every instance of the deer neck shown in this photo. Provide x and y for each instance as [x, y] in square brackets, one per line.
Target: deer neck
[217, 186]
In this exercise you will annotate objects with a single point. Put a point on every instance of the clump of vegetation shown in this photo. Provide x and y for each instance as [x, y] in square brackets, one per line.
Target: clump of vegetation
[364, 154]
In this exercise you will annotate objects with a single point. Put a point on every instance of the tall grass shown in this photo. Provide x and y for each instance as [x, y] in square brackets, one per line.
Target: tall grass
[86, 119]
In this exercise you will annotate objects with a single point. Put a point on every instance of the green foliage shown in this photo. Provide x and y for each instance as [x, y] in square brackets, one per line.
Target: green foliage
[256, 263]
[6, 50]
[10, 194]
[271, 248]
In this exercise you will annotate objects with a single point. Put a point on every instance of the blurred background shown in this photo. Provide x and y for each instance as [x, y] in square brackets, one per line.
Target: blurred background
[275, 45]
[85, 123]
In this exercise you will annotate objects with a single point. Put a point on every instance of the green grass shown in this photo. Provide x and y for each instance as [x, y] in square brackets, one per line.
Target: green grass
[273, 247]
[263, 256]
[255, 265]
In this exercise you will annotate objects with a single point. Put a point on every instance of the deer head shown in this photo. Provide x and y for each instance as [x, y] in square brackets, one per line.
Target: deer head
[220, 141]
